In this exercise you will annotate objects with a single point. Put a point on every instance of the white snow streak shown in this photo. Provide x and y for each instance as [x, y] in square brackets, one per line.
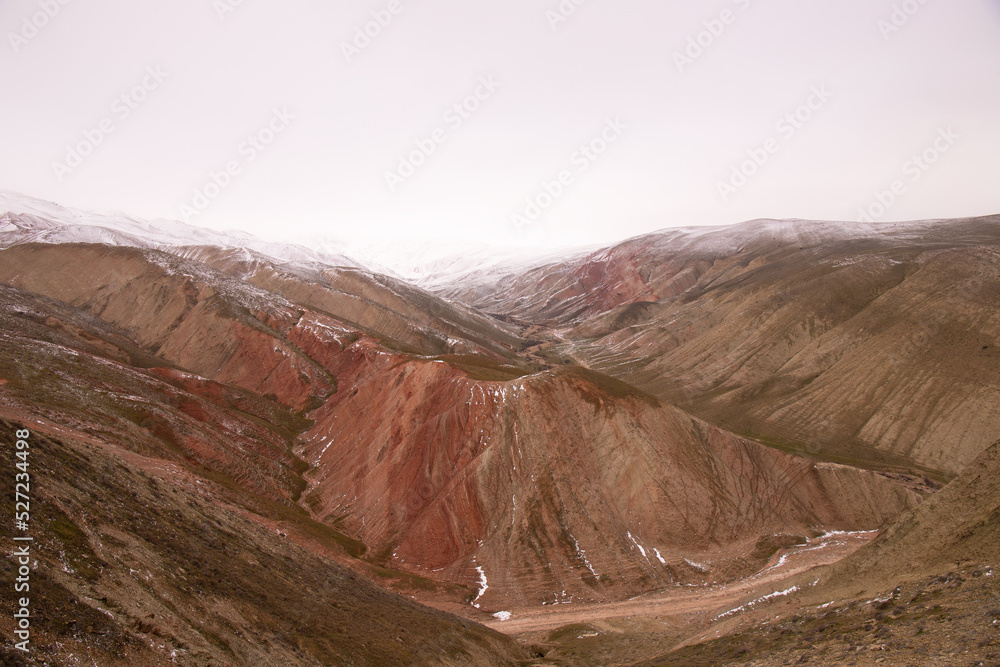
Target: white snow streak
[583, 555]
[763, 598]
[697, 566]
[636, 543]
[482, 585]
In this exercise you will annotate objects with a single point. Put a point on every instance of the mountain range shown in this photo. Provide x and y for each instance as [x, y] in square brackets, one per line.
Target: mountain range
[256, 453]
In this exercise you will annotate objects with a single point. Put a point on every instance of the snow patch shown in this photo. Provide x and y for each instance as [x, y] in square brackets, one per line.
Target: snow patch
[636, 543]
[482, 585]
[329, 441]
[843, 533]
[561, 598]
[502, 615]
[697, 566]
[752, 603]
[781, 561]
[583, 555]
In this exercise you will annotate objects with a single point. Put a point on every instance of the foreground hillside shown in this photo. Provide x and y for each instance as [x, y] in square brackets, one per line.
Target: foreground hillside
[133, 564]
[926, 591]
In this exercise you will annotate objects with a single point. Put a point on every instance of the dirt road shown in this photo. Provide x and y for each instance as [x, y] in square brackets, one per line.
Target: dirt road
[711, 601]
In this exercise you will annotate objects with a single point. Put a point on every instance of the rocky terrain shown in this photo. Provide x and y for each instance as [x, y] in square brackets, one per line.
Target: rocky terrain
[240, 447]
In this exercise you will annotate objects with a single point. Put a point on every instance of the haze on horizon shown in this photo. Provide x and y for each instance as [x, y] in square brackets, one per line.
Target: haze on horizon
[448, 119]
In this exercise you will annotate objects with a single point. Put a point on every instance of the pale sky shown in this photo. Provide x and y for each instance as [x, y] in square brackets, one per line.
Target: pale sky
[695, 113]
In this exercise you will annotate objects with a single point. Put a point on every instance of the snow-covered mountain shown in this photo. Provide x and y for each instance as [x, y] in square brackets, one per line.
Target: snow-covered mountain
[26, 219]
[433, 265]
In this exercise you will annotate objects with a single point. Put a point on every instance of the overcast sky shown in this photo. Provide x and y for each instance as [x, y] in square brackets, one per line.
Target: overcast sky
[467, 120]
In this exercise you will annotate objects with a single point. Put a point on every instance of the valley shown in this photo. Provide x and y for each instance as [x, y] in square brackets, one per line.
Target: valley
[259, 454]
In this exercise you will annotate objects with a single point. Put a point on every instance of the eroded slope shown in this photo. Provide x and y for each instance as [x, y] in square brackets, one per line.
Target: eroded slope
[558, 486]
[130, 568]
[872, 344]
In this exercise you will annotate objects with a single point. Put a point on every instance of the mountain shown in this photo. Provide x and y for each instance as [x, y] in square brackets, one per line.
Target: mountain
[677, 411]
[561, 485]
[164, 518]
[871, 344]
[32, 220]
[433, 409]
